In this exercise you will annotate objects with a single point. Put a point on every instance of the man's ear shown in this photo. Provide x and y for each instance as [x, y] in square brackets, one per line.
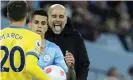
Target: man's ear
[29, 25]
[66, 20]
[8, 16]
[27, 15]
[46, 29]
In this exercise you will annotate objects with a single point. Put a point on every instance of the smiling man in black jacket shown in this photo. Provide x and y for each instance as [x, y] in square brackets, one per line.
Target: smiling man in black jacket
[70, 41]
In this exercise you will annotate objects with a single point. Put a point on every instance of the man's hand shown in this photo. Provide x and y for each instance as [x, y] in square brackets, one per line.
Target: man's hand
[69, 59]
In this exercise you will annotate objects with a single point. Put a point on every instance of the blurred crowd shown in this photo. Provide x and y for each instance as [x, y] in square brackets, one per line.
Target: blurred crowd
[103, 22]
[95, 19]
[114, 74]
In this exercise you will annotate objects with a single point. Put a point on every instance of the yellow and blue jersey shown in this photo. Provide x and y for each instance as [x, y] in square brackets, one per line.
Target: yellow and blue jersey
[19, 50]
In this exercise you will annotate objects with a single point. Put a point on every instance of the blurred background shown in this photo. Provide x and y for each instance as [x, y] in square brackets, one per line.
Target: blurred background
[107, 29]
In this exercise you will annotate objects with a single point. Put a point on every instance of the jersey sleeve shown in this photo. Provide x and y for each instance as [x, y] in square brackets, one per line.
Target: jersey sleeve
[33, 51]
[34, 45]
[59, 59]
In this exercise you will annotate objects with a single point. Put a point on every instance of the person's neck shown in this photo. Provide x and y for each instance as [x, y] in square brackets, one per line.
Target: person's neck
[17, 24]
[43, 43]
[43, 40]
[42, 36]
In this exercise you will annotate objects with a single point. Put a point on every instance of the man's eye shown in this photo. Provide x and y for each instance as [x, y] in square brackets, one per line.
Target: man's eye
[54, 16]
[61, 16]
[36, 22]
[43, 23]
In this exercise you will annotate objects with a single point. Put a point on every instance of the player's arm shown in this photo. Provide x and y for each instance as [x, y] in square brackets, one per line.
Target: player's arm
[71, 75]
[32, 60]
[33, 68]
[59, 59]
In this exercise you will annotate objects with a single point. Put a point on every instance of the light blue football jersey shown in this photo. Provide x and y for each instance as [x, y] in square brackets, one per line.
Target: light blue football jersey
[52, 55]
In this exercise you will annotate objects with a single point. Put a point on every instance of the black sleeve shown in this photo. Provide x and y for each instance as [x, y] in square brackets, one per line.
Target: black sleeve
[82, 58]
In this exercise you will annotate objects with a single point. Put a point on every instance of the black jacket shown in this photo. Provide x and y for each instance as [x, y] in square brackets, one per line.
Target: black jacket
[71, 40]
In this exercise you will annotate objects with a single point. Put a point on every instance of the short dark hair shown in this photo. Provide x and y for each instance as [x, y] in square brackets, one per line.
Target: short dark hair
[109, 73]
[130, 71]
[17, 10]
[40, 11]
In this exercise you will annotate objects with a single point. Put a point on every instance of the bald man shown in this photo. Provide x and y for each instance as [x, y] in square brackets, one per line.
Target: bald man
[70, 41]
[57, 22]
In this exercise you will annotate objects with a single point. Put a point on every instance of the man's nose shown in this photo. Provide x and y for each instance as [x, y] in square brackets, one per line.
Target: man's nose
[57, 19]
[39, 26]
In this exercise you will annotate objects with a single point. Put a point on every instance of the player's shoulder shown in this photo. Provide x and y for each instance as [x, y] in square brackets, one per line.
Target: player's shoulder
[77, 33]
[5, 29]
[51, 44]
[53, 47]
[32, 34]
